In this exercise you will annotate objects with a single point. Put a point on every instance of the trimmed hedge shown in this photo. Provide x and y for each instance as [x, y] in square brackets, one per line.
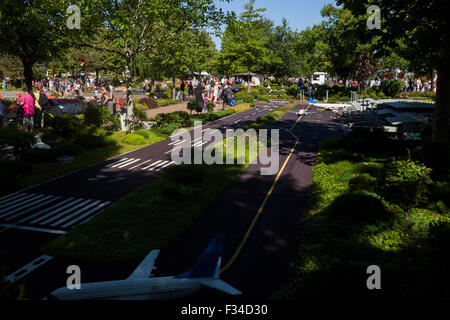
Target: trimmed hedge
[133, 139]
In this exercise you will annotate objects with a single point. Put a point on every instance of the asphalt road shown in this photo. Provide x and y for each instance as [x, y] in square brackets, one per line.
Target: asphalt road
[32, 217]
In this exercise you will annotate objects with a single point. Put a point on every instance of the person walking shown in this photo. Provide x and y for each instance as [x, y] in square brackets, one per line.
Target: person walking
[28, 110]
[2, 107]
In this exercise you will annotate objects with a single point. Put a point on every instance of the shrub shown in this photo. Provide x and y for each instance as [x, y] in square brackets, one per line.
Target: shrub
[143, 133]
[210, 106]
[406, 182]
[246, 97]
[163, 119]
[133, 139]
[361, 206]
[391, 88]
[93, 141]
[65, 125]
[149, 102]
[435, 155]
[93, 116]
[194, 106]
[19, 139]
[263, 98]
[362, 182]
[166, 102]
[167, 129]
[139, 112]
[292, 91]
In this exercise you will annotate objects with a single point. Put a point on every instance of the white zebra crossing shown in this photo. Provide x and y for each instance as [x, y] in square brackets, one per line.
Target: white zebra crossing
[47, 212]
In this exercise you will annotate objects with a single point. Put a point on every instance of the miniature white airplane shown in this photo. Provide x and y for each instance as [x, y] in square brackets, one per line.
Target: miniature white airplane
[140, 285]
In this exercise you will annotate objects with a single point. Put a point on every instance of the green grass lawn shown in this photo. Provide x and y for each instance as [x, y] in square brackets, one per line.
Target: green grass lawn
[373, 202]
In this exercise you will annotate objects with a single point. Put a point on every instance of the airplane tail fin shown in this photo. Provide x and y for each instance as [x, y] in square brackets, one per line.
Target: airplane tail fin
[208, 264]
[311, 100]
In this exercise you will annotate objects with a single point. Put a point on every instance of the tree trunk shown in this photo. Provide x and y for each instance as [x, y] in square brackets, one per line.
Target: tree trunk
[96, 76]
[28, 73]
[249, 80]
[130, 106]
[442, 108]
[174, 89]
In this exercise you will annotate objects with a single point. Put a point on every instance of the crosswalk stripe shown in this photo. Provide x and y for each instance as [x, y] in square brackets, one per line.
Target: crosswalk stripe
[140, 164]
[55, 211]
[86, 214]
[122, 163]
[129, 163]
[34, 205]
[166, 165]
[151, 165]
[33, 197]
[20, 197]
[9, 197]
[65, 212]
[73, 214]
[116, 162]
[159, 164]
[45, 210]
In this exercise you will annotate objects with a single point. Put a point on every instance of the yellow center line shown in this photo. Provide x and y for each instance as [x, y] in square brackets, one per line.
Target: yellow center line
[266, 198]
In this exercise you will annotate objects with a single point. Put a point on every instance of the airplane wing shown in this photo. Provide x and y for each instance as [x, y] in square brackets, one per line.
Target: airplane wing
[145, 268]
[221, 286]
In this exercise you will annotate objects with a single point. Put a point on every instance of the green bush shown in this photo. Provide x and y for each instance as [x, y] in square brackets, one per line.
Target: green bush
[133, 139]
[360, 206]
[65, 125]
[139, 112]
[435, 155]
[292, 91]
[391, 88]
[94, 115]
[167, 129]
[362, 182]
[210, 106]
[19, 139]
[166, 102]
[406, 182]
[163, 119]
[143, 133]
[92, 141]
[263, 98]
[244, 96]
[194, 106]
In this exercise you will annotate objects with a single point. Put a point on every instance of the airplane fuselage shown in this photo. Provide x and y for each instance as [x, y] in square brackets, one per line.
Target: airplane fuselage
[133, 289]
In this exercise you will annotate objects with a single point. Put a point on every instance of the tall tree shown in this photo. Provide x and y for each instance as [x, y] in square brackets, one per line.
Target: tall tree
[24, 32]
[423, 25]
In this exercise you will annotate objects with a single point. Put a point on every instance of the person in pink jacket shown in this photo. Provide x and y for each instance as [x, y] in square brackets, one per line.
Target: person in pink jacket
[28, 111]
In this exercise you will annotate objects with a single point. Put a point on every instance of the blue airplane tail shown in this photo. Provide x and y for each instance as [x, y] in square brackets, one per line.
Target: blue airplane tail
[311, 100]
[209, 262]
